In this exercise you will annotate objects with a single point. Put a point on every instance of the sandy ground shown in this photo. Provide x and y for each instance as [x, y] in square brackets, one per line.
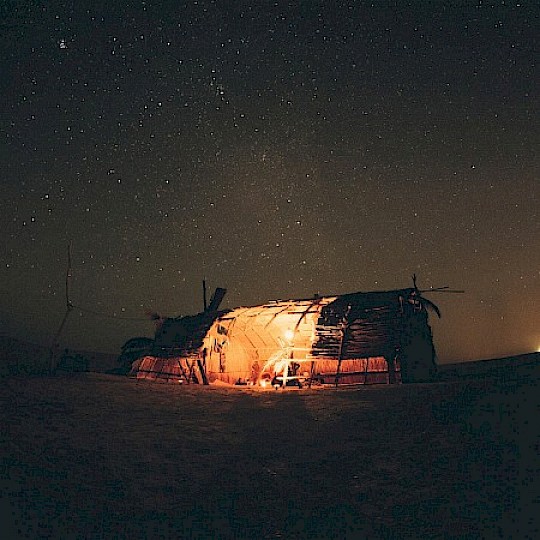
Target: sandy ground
[99, 456]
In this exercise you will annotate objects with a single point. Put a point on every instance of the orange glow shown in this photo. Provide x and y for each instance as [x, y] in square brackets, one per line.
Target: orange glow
[289, 335]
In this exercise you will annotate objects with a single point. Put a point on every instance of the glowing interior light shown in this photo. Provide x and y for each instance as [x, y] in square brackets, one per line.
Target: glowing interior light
[263, 383]
[289, 334]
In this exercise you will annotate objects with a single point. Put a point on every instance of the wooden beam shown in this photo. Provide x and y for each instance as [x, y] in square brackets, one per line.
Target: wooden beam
[340, 356]
[391, 369]
[182, 369]
[312, 370]
[69, 309]
[202, 371]
[286, 371]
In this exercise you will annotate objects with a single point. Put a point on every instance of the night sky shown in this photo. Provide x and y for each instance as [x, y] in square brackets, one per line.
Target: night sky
[279, 149]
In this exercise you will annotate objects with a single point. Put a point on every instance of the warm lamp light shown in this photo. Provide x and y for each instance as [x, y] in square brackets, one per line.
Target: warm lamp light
[289, 335]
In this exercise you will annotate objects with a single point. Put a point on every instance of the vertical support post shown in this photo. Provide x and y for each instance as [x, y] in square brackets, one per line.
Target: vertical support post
[338, 371]
[69, 308]
[205, 304]
[391, 369]
[366, 371]
[286, 371]
[201, 362]
[311, 373]
[340, 356]
[182, 370]
[192, 375]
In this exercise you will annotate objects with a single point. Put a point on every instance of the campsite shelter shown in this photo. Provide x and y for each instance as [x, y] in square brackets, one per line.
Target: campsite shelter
[365, 338]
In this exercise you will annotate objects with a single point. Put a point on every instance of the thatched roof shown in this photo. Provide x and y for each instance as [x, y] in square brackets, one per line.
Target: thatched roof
[371, 316]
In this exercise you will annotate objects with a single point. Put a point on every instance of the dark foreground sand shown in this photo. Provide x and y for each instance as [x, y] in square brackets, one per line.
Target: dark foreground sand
[98, 456]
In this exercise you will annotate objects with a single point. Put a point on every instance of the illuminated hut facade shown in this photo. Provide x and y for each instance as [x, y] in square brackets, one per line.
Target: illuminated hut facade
[358, 338]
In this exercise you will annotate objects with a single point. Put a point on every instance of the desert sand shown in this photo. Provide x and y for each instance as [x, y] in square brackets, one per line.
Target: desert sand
[100, 456]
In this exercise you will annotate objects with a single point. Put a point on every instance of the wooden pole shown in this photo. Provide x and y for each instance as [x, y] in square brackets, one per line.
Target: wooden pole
[69, 308]
[338, 371]
[340, 356]
[201, 362]
[205, 303]
[183, 371]
[391, 369]
[286, 370]
[366, 371]
[312, 370]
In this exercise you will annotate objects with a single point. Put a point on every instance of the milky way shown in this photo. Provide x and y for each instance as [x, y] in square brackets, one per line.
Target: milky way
[277, 149]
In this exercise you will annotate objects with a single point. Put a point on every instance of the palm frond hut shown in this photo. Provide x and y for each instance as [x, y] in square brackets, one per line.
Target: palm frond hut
[362, 338]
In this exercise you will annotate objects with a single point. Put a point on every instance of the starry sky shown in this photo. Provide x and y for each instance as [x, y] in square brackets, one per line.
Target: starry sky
[278, 149]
